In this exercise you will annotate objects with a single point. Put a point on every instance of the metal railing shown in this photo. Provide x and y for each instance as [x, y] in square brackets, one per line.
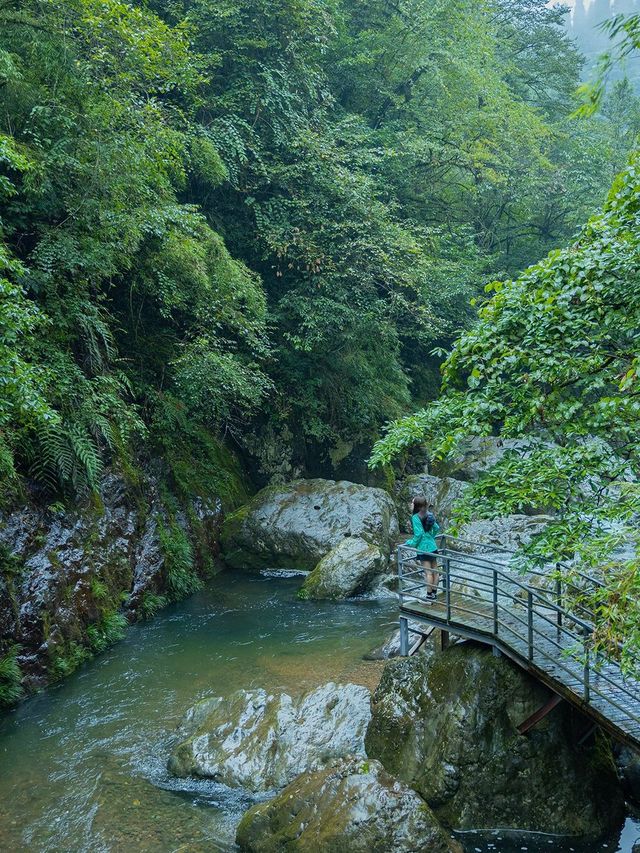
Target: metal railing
[531, 614]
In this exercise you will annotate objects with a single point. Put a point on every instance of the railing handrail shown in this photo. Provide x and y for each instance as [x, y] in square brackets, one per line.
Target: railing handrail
[499, 567]
[502, 550]
[462, 567]
[571, 570]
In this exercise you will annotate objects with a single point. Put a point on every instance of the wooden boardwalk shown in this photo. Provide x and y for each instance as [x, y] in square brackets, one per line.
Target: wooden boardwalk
[530, 620]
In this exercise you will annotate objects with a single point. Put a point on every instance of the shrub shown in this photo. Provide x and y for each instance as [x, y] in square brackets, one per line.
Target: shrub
[182, 579]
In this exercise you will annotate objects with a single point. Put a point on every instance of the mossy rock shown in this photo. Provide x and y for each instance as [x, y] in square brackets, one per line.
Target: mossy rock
[296, 525]
[448, 726]
[347, 570]
[351, 807]
[261, 742]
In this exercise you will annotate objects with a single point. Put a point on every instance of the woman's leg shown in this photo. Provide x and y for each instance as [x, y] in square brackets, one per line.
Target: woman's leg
[432, 576]
[426, 567]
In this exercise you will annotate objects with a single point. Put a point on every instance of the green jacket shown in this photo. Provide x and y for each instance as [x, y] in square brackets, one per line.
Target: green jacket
[422, 541]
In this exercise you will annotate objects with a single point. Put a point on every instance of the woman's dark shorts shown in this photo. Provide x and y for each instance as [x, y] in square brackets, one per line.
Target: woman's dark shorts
[427, 555]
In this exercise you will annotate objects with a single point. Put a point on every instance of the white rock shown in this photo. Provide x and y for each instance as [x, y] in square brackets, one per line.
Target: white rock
[261, 742]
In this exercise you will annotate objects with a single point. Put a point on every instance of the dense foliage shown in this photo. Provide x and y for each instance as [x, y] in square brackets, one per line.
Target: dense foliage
[257, 219]
[554, 361]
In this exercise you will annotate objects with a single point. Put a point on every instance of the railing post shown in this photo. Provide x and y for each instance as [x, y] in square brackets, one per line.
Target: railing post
[530, 622]
[587, 666]
[559, 603]
[399, 563]
[495, 602]
[404, 636]
[447, 585]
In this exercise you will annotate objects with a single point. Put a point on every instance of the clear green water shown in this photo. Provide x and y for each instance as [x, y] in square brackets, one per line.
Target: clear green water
[82, 766]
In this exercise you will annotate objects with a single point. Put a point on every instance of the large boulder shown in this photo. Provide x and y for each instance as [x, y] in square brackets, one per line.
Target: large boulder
[628, 762]
[448, 727]
[261, 742]
[296, 525]
[352, 807]
[348, 569]
[442, 492]
[510, 532]
[477, 455]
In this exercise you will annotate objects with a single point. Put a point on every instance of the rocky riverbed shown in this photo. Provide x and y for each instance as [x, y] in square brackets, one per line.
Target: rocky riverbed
[427, 759]
[441, 755]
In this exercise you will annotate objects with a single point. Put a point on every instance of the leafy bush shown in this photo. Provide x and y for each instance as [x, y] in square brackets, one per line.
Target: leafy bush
[66, 659]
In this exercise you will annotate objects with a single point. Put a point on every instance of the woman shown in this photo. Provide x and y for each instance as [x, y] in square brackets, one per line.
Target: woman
[425, 529]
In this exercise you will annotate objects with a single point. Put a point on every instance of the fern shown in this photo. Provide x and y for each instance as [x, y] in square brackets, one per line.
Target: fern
[182, 579]
[66, 659]
[11, 689]
[151, 603]
[96, 337]
[108, 631]
[88, 462]
[99, 589]
[66, 455]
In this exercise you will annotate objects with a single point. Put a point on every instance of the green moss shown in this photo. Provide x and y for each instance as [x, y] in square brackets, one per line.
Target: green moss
[11, 689]
[312, 586]
[232, 526]
[198, 462]
[96, 503]
[388, 479]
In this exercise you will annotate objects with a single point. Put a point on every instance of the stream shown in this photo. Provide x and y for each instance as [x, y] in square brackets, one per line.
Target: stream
[83, 765]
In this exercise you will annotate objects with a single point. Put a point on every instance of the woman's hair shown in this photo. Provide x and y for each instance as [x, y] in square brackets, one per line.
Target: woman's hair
[417, 504]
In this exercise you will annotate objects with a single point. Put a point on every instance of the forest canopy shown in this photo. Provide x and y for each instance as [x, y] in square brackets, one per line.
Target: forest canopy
[256, 220]
[553, 363]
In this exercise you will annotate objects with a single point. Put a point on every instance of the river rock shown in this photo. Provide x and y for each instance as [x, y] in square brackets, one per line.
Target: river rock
[442, 492]
[628, 762]
[510, 532]
[260, 742]
[447, 726]
[351, 807]
[348, 569]
[296, 525]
